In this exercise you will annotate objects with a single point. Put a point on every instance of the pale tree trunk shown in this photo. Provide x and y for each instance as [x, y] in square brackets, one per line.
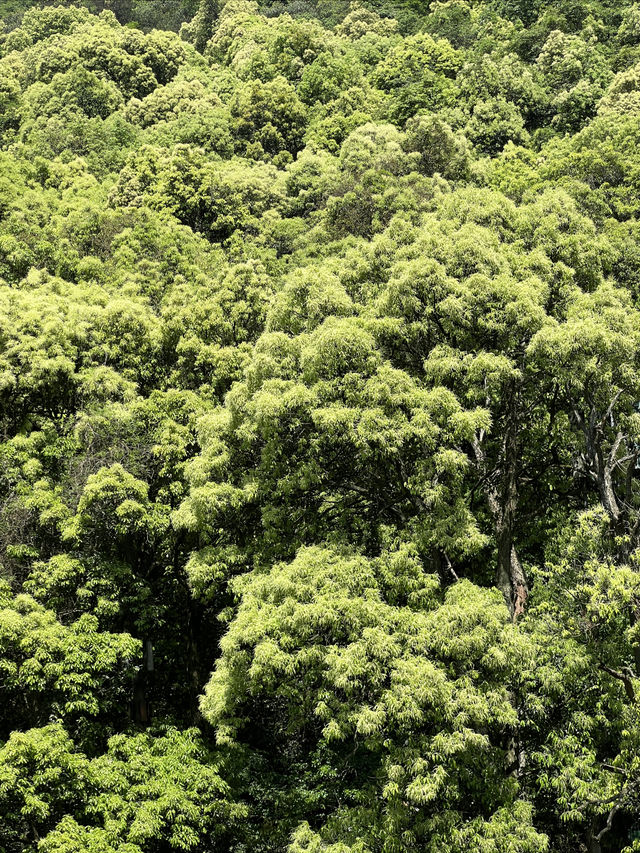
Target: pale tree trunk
[502, 500]
[603, 458]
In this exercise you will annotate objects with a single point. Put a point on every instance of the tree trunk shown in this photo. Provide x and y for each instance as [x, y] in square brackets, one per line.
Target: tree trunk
[593, 843]
[510, 577]
[502, 501]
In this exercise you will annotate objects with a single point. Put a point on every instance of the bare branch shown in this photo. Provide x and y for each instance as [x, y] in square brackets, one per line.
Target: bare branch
[616, 808]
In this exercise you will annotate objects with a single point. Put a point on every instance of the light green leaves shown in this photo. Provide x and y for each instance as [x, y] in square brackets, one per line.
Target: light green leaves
[60, 670]
[412, 689]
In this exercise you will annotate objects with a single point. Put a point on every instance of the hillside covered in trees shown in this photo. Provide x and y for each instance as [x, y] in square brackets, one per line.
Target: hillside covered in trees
[320, 426]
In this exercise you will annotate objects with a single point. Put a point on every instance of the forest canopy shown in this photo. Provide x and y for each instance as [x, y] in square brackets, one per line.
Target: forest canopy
[320, 426]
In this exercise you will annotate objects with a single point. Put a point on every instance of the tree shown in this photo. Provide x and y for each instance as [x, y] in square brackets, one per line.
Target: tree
[268, 118]
[42, 777]
[54, 798]
[418, 72]
[345, 668]
[74, 672]
[319, 344]
[204, 21]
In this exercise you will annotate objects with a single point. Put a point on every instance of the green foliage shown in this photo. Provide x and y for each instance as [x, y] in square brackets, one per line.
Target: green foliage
[49, 668]
[146, 790]
[349, 651]
[268, 118]
[419, 70]
[319, 430]
[42, 778]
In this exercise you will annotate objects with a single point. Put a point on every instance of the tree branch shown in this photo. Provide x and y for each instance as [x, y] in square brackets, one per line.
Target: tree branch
[626, 679]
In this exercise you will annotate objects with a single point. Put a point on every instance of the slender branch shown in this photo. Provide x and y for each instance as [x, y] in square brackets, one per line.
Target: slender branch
[616, 808]
[450, 567]
[610, 408]
[613, 769]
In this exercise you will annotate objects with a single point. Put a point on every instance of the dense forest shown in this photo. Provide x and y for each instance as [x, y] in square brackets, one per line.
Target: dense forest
[320, 426]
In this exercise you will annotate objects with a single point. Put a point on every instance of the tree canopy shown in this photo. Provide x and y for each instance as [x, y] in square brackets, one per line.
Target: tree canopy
[319, 426]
